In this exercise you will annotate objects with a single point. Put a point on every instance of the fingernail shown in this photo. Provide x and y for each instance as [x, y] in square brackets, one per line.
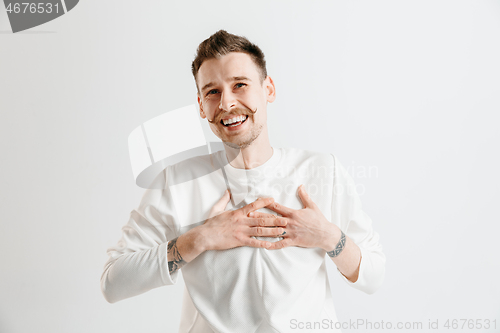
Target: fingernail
[284, 232]
[251, 214]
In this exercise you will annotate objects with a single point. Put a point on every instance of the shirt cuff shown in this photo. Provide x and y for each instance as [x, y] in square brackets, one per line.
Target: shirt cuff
[371, 273]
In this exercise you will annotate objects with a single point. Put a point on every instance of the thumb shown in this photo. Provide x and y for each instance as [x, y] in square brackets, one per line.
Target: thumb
[220, 206]
[305, 198]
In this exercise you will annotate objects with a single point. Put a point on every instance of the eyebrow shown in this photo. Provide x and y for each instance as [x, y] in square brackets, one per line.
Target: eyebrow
[234, 78]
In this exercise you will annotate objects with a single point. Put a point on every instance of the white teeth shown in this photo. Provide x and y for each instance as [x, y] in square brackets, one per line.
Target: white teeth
[234, 120]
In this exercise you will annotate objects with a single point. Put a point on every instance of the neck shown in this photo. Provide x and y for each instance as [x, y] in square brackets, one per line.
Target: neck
[256, 154]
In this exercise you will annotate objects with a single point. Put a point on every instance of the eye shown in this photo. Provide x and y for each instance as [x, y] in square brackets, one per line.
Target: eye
[239, 85]
[212, 92]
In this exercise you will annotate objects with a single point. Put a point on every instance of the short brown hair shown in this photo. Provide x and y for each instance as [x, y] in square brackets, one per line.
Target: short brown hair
[222, 43]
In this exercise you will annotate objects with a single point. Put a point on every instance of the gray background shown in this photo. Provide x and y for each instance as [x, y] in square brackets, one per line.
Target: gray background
[407, 87]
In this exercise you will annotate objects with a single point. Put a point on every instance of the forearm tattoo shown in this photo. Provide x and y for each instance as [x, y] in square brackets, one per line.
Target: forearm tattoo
[339, 247]
[177, 262]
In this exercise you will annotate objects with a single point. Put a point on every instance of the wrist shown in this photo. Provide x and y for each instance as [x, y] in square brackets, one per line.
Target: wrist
[332, 237]
[190, 244]
[200, 243]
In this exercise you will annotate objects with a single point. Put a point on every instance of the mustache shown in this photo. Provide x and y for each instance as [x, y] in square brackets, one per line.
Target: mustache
[243, 111]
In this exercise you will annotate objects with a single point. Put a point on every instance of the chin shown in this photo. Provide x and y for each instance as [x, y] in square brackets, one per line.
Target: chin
[239, 145]
[243, 140]
[234, 145]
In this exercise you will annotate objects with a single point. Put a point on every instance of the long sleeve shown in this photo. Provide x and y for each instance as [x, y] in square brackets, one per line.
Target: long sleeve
[348, 215]
[138, 263]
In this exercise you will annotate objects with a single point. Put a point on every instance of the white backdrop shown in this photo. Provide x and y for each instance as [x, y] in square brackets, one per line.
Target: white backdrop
[404, 93]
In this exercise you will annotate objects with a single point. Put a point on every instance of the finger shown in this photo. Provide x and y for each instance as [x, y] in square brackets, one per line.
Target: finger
[220, 206]
[280, 209]
[257, 243]
[285, 242]
[267, 222]
[257, 204]
[261, 214]
[266, 232]
[305, 197]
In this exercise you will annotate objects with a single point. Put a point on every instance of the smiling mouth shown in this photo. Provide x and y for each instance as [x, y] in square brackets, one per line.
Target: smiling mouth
[234, 124]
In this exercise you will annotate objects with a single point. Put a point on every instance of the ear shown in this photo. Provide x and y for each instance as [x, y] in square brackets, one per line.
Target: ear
[202, 113]
[270, 89]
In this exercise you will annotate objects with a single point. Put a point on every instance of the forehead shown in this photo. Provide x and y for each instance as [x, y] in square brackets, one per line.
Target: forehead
[234, 64]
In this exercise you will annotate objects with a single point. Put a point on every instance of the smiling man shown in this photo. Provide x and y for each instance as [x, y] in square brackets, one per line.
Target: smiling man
[251, 236]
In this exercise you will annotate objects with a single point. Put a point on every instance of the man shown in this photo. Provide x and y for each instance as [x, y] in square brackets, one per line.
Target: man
[259, 265]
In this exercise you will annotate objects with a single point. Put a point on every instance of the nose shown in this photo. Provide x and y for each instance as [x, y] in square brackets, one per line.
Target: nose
[227, 101]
